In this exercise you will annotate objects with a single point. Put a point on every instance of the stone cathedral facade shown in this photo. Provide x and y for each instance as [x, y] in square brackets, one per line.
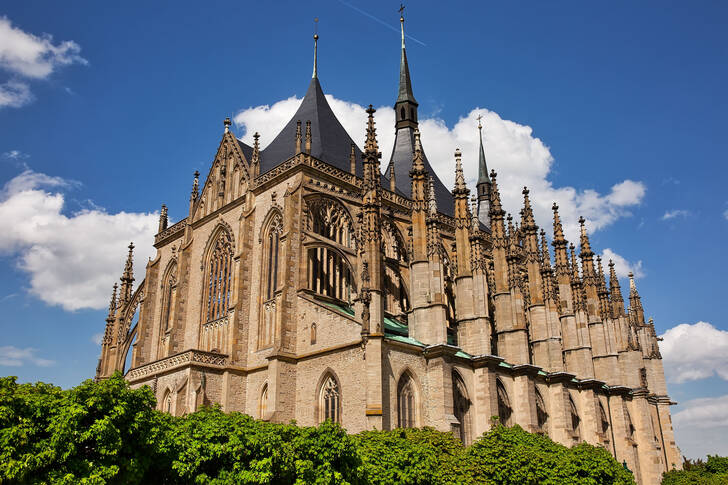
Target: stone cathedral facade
[305, 284]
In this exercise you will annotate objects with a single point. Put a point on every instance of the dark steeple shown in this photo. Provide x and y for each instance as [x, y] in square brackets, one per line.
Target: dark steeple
[483, 185]
[404, 143]
[406, 105]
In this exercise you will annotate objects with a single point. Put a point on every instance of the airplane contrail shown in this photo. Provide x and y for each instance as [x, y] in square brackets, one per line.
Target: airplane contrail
[380, 21]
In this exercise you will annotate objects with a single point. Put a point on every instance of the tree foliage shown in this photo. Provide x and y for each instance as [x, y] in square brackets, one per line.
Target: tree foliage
[107, 433]
[714, 471]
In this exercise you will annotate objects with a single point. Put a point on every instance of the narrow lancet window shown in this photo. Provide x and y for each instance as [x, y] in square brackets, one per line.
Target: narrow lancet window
[219, 277]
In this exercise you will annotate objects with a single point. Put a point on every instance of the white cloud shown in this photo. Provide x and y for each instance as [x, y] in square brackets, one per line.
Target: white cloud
[25, 55]
[621, 266]
[97, 338]
[674, 214]
[706, 412]
[694, 351]
[14, 94]
[14, 357]
[34, 56]
[725, 214]
[511, 149]
[73, 260]
[15, 155]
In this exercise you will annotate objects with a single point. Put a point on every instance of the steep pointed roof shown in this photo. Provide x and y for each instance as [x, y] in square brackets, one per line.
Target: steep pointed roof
[402, 154]
[405, 83]
[329, 140]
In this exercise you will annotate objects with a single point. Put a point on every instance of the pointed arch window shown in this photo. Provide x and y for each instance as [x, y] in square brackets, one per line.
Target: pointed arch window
[328, 218]
[263, 408]
[575, 419]
[461, 407]
[218, 278]
[169, 286]
[330, 400]
[542, 416]
[406, 402]
[329, 274]
[272, 249]
[504, 404]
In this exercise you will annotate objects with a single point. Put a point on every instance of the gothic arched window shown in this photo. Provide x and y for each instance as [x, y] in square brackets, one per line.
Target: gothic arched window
[396, 300]
[504, 404]
[271, 248]
[263, 408]
[169, 286]
[329, 218]
[542, 416]
[461, 407]
[329, 400]
[604, 421]
[575, 419]
[406, 402]
[218, 277]
[329, 274]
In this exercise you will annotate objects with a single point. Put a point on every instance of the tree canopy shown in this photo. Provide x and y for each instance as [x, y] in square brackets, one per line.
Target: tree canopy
[107, 433]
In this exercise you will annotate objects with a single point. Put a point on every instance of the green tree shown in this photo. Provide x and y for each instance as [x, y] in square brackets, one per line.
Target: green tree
[95, 433]
[409, 456]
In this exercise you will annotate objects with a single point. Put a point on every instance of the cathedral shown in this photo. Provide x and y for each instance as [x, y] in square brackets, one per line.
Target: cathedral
[307, 284]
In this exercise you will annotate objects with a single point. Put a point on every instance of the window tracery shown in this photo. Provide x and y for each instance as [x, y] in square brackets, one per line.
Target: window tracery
[329, 274]
[169, 286]
[329, 218]
[406, 402]
[329, 400]
[218, 277]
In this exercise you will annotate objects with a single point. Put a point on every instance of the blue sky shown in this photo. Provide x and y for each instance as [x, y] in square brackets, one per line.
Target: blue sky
[617, 111]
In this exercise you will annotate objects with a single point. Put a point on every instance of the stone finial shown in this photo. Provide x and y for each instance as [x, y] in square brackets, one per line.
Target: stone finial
[298, 136]
[460, 187]
[558, 229]
[527, 220]
[545, 256]
[418, 163]
[256, 148]
[495, 201]
[196, 185]
[308, 137]
[227, 124]
[163, 219]
[475, 222]
[431, 200]
[615, 291]
[112, 303]
[585, 246]
[371, 148]
[352, 160]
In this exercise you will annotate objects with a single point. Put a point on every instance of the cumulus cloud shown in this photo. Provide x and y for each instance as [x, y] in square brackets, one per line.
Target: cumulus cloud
[725, 214]
[706, 412]
[14, 94]
[25, 55]
[621, 266]
[694, 351]
[512, 150]
[73, 259]
[675, 213]
[14, 357]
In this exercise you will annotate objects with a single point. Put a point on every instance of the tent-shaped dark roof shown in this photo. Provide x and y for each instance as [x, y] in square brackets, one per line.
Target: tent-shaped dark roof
[329, 140]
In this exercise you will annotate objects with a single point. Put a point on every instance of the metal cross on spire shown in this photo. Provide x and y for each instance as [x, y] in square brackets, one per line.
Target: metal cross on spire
[480, 117]
[401, 22]
[315, 47]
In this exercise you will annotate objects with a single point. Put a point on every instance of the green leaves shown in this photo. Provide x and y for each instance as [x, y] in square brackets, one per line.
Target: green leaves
[712, 472]
[107, 433]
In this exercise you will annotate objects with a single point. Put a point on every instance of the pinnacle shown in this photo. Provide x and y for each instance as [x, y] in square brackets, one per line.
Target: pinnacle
[460, 186]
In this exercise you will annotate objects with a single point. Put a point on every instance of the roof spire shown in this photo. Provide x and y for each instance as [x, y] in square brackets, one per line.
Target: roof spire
[315, 49]
[405, 84]
[482, 166]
